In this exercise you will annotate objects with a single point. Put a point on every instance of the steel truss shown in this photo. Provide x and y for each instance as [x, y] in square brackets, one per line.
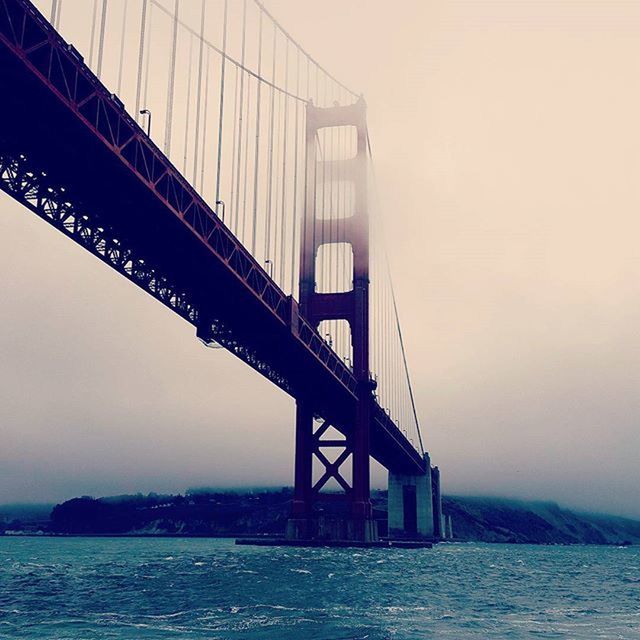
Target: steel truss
[33, 188]
[331, 469]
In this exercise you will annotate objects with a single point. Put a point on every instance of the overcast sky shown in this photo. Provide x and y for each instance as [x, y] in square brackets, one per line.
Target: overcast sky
[507, 147]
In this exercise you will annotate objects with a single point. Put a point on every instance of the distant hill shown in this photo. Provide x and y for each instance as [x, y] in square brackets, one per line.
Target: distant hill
[207, 512]
[19, 516]
[503, 520]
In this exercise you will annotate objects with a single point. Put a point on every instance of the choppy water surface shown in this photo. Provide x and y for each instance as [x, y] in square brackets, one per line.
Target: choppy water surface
[86, 588]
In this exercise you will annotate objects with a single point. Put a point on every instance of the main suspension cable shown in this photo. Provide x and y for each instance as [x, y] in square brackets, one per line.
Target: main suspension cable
[299, 47]
[236, 62]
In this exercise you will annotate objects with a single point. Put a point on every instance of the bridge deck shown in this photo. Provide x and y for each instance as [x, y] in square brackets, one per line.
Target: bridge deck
[71, 153]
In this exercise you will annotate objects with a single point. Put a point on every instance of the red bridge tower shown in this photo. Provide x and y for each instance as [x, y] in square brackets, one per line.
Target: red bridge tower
[356, 522]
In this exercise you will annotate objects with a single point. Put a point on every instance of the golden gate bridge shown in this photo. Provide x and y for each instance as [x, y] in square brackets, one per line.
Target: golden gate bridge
[201, 152]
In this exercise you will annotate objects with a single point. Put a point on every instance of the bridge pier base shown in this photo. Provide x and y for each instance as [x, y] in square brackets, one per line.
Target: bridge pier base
[438, 525]
[319, 516]
[411, 505]
[299, 529]
[323, 528]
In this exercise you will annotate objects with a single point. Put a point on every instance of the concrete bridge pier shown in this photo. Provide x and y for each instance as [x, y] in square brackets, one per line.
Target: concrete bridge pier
[438, 525]
[414, 510]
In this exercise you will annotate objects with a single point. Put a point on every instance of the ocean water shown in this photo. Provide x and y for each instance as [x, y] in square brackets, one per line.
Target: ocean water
[136, 589]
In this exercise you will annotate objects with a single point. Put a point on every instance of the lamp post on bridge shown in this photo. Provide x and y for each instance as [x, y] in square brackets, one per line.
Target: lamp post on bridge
[147, 112]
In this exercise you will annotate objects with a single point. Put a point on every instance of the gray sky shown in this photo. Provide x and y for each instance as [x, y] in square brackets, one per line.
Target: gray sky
[507, 150]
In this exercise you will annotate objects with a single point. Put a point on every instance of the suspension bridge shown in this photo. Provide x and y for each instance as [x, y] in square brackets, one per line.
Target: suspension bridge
[199, 150]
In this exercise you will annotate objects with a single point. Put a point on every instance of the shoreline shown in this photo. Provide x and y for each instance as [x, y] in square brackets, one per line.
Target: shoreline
[262, 514]
[271, 537]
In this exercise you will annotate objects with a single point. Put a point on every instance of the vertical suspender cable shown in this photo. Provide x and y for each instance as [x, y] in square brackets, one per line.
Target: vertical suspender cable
[220, 122]
[333, 224]
[309, 217]
[54, 12]
[267, 236]
[199, 93]
[326, 254]
[93, 32]
[295, 175]
[257, 155]
[338, 213]
[283, 228]
[332, 214]
[103, 23]
[342, 195]
[379, 319]
[147, 62]
[123, 28]
[305, 179]
[396, 362]
[234, 146]
[319, 270]
[171, 85]
[401, 341]
[245, 176]
[188, 108]
[206, 120]
[406, 367]
[387, 349]
[343, 235]
[341, 270]
[326, 207]
[241, 121]
[58, 15]
[143, 26]
[332, 252]
[276, 182]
